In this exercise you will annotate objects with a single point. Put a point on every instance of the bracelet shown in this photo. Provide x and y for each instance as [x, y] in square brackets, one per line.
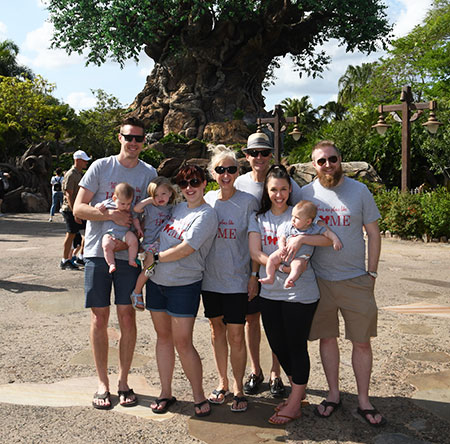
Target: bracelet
[156, 257]
[254, 273]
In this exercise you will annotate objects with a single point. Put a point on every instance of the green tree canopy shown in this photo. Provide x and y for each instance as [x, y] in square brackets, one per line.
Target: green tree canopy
[211, 57]
[8, 61]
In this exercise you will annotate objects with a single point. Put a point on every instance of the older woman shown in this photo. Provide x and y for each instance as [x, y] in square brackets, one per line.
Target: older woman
[173, 292]
[287, 313]
[228, 283]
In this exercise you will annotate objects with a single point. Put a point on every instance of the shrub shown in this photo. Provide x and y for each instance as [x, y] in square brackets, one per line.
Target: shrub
[152, 156]
[384, 200]
[436, 212]
[404, 216]
[238, 114]
[175, 138]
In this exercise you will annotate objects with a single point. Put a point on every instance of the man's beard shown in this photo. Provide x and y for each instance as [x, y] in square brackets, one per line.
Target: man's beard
[330, 180]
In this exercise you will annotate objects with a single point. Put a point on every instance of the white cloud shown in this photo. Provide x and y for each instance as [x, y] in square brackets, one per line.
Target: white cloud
[80, 100]
[412, 13]
[37, 44]
[3, 31]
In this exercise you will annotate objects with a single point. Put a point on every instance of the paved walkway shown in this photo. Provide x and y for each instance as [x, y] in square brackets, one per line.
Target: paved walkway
[47, 375]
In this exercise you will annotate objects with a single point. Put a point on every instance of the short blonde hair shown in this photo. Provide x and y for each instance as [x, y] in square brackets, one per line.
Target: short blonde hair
[307, 208]
[159, 181]
[124, 190]
[219, 153]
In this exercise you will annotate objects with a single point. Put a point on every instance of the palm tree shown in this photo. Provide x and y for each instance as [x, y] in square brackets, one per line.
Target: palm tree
[307, 114]
[8, 61]
[332, 111]
[353, 80]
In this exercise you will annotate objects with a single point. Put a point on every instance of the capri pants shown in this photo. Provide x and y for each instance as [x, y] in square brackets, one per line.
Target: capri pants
[287, 326]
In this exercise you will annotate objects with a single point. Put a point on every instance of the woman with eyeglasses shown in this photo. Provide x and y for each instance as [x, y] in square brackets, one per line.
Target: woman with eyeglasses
[173, 292]
[287, 313]
[227, 282]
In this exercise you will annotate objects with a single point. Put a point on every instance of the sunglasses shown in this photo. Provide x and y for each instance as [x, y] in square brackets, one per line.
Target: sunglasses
[130, 137]
[322, 161]
[221, 169]
[255, 153]
[194, 183]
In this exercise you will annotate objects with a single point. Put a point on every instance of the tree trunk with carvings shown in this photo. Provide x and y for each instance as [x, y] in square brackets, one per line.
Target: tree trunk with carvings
[208, 82]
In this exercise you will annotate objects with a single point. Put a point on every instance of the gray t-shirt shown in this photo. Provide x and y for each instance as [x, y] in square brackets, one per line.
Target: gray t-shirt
[247, 184]
[196, 226]
[345, 209]
[101, 178]
[109, 226]
[155, 218]
[288, 230]
[228, 261]
[305, 290]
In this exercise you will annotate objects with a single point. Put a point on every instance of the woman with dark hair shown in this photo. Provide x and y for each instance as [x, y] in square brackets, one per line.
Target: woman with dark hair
[287, 313]
[173, 292]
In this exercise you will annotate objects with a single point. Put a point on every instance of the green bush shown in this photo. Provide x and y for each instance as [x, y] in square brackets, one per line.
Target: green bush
[384, 200]
[404, 217]
[238, 114]
[152, 156]
[436, 212]
[175, 138]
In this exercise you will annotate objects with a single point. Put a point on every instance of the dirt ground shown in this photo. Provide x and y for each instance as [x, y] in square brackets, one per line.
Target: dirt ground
[44, 340]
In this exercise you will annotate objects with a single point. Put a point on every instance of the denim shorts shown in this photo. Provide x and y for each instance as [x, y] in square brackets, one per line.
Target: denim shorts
[98, 282]
[180, 301]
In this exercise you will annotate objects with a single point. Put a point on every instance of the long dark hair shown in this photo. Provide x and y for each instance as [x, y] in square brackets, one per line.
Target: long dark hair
[275, 172]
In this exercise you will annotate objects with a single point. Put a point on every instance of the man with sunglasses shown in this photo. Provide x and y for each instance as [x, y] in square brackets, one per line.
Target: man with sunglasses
[97, 185]
[345, 284]
[259, 154]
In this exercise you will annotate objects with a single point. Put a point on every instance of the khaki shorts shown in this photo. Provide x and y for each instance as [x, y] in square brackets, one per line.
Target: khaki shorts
[356, 301]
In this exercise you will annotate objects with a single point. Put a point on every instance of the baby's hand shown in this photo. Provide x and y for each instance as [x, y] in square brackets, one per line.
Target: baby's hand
[337, 244]
[101, 206]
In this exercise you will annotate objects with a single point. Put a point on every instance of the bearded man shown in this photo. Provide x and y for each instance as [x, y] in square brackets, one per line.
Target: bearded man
[345, 284]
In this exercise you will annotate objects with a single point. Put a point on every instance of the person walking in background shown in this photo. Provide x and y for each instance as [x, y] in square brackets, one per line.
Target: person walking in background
[97, 185]
[57, 194]
[70, 187]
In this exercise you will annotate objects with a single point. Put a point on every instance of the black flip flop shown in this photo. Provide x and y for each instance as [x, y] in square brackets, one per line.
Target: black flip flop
[168, 401]
[104, 396]
[127, 394]
[199, 406]
[373, 412]
[326, 404]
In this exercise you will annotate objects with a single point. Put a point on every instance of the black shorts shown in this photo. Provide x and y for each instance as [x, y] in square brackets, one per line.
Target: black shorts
[254, 306]
[232, 306]
[71, 226]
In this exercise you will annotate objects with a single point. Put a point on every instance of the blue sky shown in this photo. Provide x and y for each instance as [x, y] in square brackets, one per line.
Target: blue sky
[24, 22]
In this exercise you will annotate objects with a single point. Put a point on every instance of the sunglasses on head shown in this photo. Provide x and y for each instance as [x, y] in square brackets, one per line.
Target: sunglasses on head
[130, 137]
[194, 183]
[230, 169]
[255, 153]
[323, 160]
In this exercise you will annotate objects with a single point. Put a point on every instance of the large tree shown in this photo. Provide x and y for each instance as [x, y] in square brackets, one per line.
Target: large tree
[211, 57]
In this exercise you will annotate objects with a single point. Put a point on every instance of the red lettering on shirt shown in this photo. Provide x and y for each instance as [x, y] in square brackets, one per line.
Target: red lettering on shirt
[226, 233]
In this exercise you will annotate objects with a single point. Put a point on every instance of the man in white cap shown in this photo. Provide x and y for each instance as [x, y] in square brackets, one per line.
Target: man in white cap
[259, 153]
[70, 189]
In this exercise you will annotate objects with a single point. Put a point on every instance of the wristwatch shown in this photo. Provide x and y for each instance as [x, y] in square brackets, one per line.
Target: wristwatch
[374, 274]
[156, 258]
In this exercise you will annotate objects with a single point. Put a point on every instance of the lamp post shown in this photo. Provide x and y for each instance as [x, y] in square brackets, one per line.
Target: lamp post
[405, 108]
[279, 125]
